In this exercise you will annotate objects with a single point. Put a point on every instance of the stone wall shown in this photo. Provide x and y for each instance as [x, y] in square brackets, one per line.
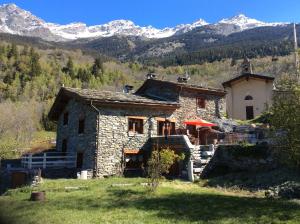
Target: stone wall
[235, 158]
[85, 142]
[114, 136]
[215, 107]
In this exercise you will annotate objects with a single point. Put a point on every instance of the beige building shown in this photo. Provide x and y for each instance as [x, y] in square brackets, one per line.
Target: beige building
[248, 95]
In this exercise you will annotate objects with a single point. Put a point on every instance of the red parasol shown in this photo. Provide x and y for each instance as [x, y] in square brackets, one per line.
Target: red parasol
[200, 122]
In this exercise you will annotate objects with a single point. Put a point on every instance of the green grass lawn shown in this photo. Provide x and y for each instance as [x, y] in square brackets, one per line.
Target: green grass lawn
[174, 202]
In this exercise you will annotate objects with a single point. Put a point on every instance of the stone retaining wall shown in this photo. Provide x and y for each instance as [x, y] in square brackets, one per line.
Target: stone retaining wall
[235, 158]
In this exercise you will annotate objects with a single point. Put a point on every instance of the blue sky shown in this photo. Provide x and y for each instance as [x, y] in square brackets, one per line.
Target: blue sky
[159, 13]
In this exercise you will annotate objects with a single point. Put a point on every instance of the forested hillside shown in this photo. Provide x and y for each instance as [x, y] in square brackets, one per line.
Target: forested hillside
[203, 44]
[31, 76]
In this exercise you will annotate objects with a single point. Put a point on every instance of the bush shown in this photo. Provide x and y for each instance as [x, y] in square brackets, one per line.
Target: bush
[159, 163]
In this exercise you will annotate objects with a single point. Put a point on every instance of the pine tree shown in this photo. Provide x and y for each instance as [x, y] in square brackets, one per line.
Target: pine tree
[25, 50]
[13, 51]
[69, 69]
[35, 67]
[97, 68]
[83, 74]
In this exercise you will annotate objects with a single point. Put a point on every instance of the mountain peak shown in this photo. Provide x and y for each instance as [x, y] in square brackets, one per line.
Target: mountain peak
[243, 22]
[9, 6]
[121, 22]
[15, 20]
[200, 22]
[239, 18]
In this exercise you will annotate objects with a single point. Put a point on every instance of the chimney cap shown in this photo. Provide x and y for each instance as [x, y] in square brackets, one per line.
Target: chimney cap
[151, 75]
[127, 89]
[182, 80]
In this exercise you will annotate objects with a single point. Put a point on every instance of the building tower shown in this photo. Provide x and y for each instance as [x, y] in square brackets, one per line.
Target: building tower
[246, 66]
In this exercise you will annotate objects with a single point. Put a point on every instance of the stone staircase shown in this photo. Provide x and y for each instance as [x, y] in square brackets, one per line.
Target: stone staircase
[201, 156]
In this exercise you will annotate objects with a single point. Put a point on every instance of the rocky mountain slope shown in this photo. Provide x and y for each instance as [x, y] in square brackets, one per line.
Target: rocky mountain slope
[15, 20]
[193, 43]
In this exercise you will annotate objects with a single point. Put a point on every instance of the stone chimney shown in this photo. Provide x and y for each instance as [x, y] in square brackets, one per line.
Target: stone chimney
[128, 89]
[184, 79]
[151, 76]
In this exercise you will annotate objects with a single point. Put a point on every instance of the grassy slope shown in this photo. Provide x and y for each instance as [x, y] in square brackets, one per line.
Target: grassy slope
[175, 202]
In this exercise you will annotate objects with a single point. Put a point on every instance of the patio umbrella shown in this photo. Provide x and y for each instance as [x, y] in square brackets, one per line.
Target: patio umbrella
[199, 122]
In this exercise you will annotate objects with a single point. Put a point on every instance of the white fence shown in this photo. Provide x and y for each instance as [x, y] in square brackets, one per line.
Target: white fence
[49, 160]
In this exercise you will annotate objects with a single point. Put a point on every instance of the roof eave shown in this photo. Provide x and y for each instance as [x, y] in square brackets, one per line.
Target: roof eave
[129, 103]
[247, 75]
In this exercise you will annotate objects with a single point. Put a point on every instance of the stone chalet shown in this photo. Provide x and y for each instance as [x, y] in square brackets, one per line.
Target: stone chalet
[111, 130]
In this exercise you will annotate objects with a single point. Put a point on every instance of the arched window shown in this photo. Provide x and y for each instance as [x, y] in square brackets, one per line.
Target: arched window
[248, 97]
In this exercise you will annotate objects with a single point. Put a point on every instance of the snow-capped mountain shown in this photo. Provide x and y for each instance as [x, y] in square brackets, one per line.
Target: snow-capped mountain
[245, 23]
[116, 27]
[15, 20]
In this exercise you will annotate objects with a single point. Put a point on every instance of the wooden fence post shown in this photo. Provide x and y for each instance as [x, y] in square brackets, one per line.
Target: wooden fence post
[44, 160]
[191, 171]
[30, 161]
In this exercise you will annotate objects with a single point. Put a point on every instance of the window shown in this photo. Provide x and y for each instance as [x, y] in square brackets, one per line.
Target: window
[201, 102]
[166, 128]
[81, 126]
[248, 97]
[66, 118]
[136, 125]
[64, 146]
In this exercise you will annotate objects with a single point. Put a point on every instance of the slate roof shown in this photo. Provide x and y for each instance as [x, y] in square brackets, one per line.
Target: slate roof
[248, 75]
[103, 97]
[116, 97]
[208, 90]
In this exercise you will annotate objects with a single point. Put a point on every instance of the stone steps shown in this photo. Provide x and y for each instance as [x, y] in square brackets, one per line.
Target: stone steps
[201, 157]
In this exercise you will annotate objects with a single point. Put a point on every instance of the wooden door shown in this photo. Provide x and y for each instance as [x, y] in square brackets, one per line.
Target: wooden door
[64, 147]
[79, 161]
[249, 112]
[18, 179]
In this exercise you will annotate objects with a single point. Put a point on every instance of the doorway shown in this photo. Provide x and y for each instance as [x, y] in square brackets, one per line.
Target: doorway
[79, 161]
[249, 112]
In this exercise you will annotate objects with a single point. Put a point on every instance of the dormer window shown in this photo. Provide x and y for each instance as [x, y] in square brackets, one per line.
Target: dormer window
[201, 102]
[65, 118]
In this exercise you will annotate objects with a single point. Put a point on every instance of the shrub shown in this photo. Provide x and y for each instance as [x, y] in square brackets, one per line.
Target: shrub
[159, 163]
